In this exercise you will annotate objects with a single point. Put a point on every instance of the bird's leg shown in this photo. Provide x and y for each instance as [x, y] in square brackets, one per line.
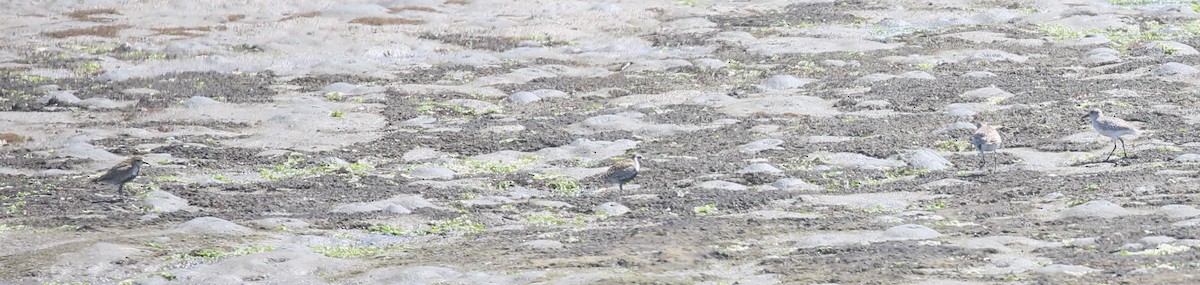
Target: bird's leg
[1114, 150]
[1123, 147]
[982, 158]
[121, 189]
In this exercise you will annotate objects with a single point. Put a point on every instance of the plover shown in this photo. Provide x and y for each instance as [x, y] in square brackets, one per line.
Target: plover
[1111, 127]
[623, 171]
[985, 139]
[122, 173]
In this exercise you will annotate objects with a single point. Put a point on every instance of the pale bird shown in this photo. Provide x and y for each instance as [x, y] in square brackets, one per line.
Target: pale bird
[985, 139]
[1111, 127]
[122, 173]
[623, 171]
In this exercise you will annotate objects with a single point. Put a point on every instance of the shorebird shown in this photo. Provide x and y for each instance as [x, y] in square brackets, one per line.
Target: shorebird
[623, 171]
[121, 173]
[1111, 127]
[985, 139]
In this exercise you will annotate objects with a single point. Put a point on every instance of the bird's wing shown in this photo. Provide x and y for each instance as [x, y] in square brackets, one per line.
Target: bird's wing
[615, 175]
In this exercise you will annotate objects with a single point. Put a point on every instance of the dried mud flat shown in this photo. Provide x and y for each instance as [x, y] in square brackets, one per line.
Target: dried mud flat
[460, 142]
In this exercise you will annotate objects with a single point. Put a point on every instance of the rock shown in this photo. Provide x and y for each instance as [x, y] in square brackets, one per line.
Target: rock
[43, 89]
[1188, 157]
[61, 98]
[140, 92]
[709, 63]
[910, 231]
[210, 225]
[504, 129]
[523, 98]
[340, 87]
[1187, 223]
[760, 168]
[944, 183]
[280, 223]
[795, 184]
[855, 160]
[1162, 48]
[99, 103]
[722, 185]
[164, 202]
[476, 106]
[1097, 208]
[197, 102]
[979, 74]
[333, 161]
[873, 105]
[420, 154]
[872, 78]
[1073, 270]
[542, 244]
[785, 82]
[611, 209]
[431, 172]
[917, 74]
[1100, 56]
[760, 145]
[1174, 68]
[988, 93]
[113, 76]
[1178, 211]
[1157, 240]
[927, 159]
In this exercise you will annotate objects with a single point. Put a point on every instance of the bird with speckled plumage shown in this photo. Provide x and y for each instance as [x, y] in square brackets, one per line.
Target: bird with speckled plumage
[985, 139]
[1113, 128]
[122, 173]
[623, 171]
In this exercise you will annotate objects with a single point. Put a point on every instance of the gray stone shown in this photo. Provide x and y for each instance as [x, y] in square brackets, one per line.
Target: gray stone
[1161, 48]
[140, 92]
[1097, 208]
[1187, 223]
[872, 78]
[197, 102]
[1073, 270]
[722, 185]
[549, 93]
[987, 93]
[99, 103]
[795, 184]
[760, 145]
[431, 172]
[1188, 157]
[64, 98]
[1101, 59]
[1157, 240]
[43, 89]
[477, 106]
[164, 202]
[523, 98]
[211, 225]
[944, 183]
[927, 159]
[397, 209]
[763, 168]
[709, 63]
[785, 82]
[979, 74]
[873, 105]
[1174, 68]
[917, 74]
[333, 161]
[611, 209]
[420, 154]
[113, 76]
[910, 231]
[542, 244]
[340, 87]
[856, 160]
[1178, 211]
